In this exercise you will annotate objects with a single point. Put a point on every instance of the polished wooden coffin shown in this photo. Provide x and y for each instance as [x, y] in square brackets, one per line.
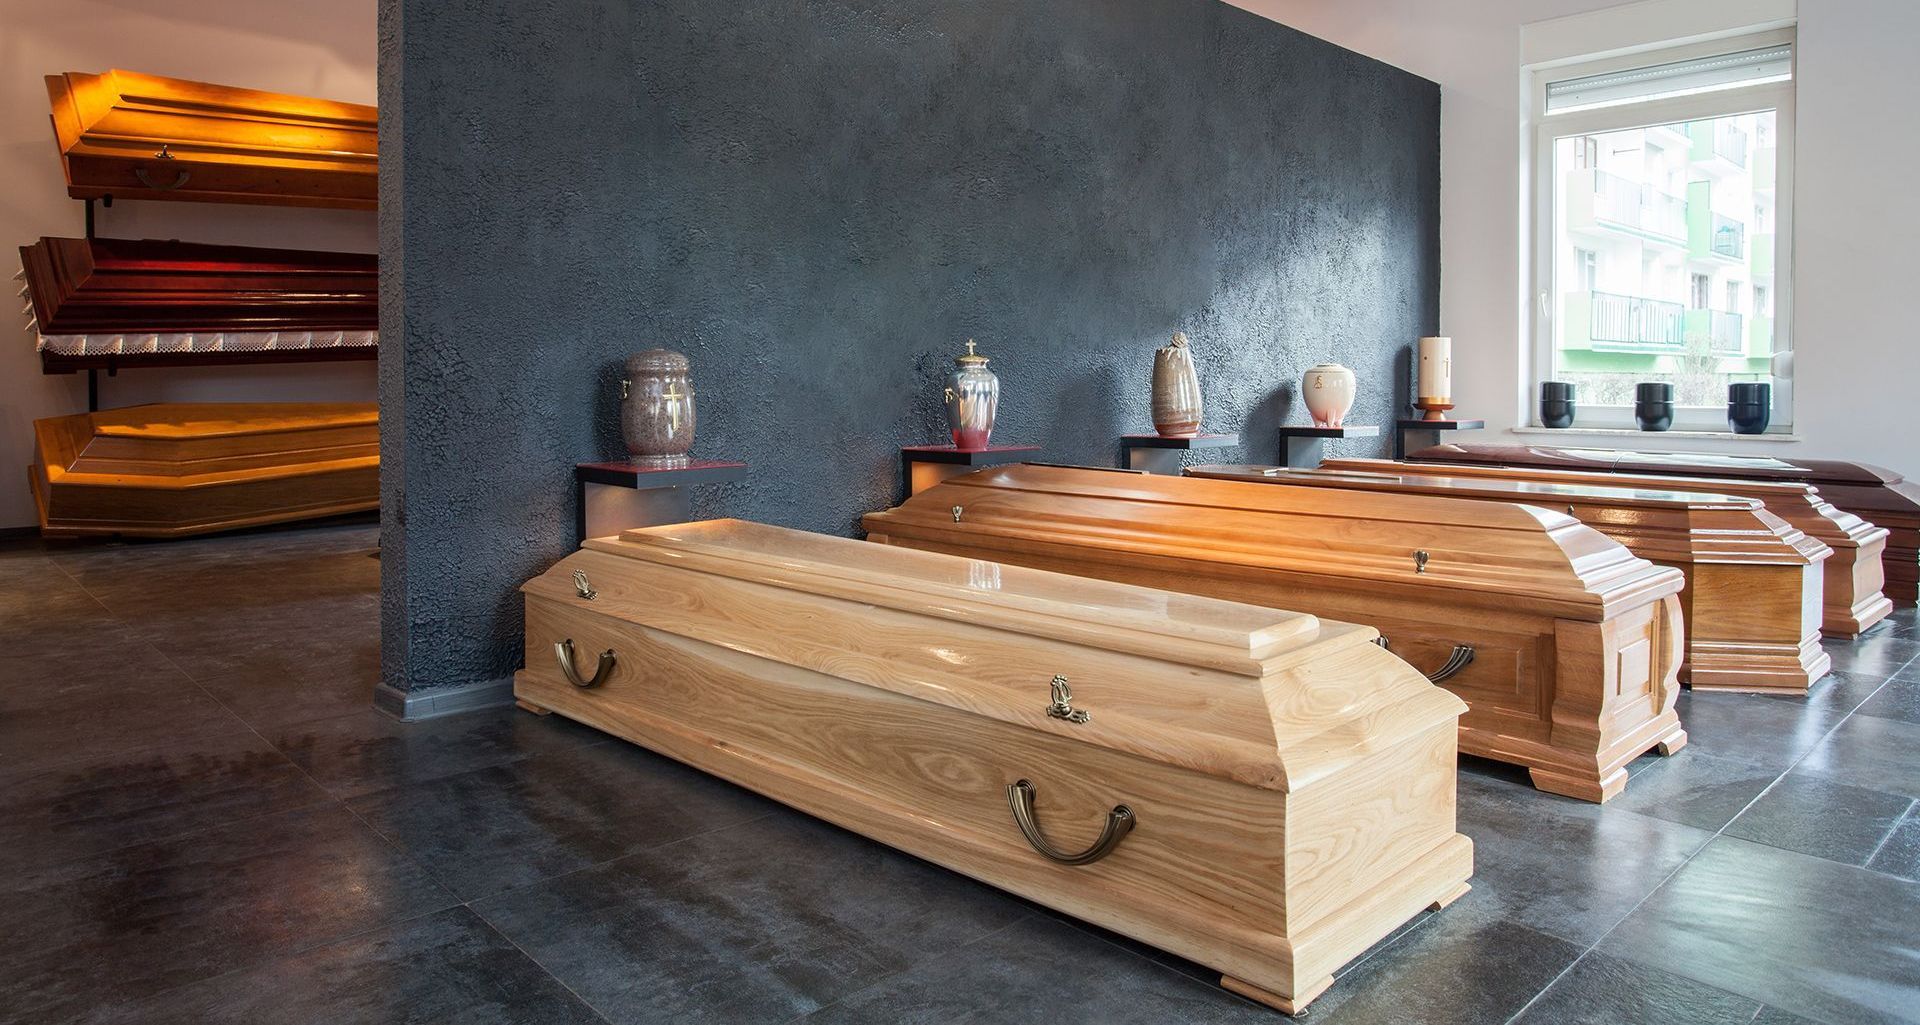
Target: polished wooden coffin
[1263, 792]
[1564, 644]
[1880, 496]
[178, 469]
[134, 136]
[147, 302]
[1852, 580]
[1752, 603]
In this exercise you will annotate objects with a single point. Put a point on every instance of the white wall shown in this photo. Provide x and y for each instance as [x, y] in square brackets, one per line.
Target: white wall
[315, 49]
[1856, 212]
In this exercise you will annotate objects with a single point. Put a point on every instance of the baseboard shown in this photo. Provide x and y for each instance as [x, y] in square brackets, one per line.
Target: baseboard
[413, 706]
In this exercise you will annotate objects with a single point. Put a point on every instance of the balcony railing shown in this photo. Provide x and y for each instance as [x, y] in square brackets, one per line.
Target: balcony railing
[1729, 237]
[1730, 143]
[1635, 205]
[1627, 323]
[1724, 333]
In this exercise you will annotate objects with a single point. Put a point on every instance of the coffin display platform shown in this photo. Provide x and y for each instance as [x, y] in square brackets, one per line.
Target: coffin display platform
[1880, 496]
[178, 469]
[1564, 644]
[1751, 606]
[135, 136]
[1852, 581]
[1262, 792]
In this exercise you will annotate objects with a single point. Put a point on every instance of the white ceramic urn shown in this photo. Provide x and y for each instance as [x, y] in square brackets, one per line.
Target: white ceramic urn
[1328, 391]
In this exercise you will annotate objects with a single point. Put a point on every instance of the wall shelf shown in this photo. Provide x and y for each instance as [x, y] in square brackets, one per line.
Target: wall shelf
[1156, 453]
[1305, 447]
[620, 495]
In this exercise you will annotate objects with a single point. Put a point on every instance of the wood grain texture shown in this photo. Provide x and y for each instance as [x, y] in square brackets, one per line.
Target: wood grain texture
[1852, 579]
[1293, 785]
[182, 469]
[1875, 494]
[223, 144]
[1749, 573]
[1577, 641]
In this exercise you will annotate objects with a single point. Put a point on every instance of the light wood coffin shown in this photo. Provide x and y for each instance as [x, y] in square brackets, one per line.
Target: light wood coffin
[1575, 642]
[178, 469]
[1289, 787]
[1851, 582]
[135, 136]
[1880, 496]
[1751, 606]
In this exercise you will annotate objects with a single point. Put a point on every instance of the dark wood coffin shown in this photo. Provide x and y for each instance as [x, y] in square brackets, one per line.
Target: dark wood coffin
[1880, 496]
[134, 136]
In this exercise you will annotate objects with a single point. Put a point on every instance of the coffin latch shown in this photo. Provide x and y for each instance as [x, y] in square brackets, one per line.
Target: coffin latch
[1460, 658]
[582, 588]
[564, 652]
[1061, 707]
[1119, 823]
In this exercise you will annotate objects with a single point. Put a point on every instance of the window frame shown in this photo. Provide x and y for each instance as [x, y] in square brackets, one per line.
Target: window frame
[1542, 283]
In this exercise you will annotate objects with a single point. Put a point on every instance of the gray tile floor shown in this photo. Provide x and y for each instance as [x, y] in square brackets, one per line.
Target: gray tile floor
[202, 821]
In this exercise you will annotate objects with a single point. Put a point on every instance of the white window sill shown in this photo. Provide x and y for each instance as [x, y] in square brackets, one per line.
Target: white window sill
[1626, 432]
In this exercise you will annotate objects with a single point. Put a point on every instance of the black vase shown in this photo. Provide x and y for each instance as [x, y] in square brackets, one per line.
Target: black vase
[1653, 406]
[1749, 406]
[1556, 404]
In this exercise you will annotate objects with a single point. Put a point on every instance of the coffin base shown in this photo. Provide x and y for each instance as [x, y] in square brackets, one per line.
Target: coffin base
[1563, 772]
[1756, 668]
[1274, 1000]
[1845, 625]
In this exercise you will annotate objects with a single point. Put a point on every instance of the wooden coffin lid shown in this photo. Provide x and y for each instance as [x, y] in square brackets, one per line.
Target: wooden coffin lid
[108, 286]
[1797, 503]
[1656, 523]
[1270, 698]
[1476, 552]
[223, 144]
[174, 445]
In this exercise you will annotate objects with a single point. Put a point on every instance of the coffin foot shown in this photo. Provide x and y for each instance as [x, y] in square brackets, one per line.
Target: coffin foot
[528, 706]
[1596, 788]
[1455, 894]
[1673, 743]
[1284, 1005]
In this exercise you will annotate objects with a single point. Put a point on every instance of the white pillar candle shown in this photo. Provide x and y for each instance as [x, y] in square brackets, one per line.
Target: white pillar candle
[1435, 381]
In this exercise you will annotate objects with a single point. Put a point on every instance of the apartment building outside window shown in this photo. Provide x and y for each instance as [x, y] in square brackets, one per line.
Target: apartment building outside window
[1663, 189]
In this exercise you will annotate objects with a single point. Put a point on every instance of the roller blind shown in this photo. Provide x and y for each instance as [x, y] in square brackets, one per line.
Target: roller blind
[1679, 78]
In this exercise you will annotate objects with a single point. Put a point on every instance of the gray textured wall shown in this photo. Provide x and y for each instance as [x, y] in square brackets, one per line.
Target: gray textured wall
[818, 202]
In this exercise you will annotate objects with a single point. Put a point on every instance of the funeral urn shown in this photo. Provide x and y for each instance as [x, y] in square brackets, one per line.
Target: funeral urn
[656, 409]
[1176, 390]
[973, 397]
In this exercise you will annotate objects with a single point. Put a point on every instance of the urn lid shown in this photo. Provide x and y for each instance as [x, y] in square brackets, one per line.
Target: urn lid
[1325, 368]
[1179, 341]
[972, 358]
[656, 361]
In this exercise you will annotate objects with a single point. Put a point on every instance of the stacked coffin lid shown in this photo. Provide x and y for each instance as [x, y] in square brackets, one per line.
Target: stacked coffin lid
[1753, 596]
[1875, 494]
[140, 136]
[1289, 787]
[147, 302]
[1853, 579]
[176, 469]
[1564, 644]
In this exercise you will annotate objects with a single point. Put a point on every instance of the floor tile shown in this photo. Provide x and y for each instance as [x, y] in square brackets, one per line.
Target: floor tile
[122, 700]
[1040, 971]
[1602, 990]
[367, 751]
[1457, 969]
[292, 684]
[1881, 754]
[1877, 652]
[1812, 937]
[124, 798]
[1900, 855]
[759, 922]
[510, 825]
[134, 922]
[1565, 868]
[1692, 787]
[445, 967]
[1758, 729]
[1899, 699]
[1822, 817]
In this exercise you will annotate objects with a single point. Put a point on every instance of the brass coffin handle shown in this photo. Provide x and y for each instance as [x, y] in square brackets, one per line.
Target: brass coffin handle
[1460, 658]
[141, 173]
[564, 652]
[1119, 823]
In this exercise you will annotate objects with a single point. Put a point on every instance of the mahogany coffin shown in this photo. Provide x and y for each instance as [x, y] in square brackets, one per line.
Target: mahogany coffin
[1263, 792]
[1564, 645]
[152, 303]
[134, 136]
[1752, 601]
[178, 469]
[1851, 583]
[1880, 496]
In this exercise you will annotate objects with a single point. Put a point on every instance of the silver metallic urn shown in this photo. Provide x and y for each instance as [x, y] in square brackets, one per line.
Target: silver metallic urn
[656, 409]
[973, 397]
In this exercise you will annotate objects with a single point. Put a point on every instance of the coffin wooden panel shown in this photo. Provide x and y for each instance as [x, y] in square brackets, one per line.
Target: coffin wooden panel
[134, 136]
[1880, 496]
[181, 469]
[1852, 580]
[1291, 784]
[1556, 606]
[1752, 604]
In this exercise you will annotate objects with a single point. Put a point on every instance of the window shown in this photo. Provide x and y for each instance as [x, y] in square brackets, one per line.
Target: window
[1670, 162]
